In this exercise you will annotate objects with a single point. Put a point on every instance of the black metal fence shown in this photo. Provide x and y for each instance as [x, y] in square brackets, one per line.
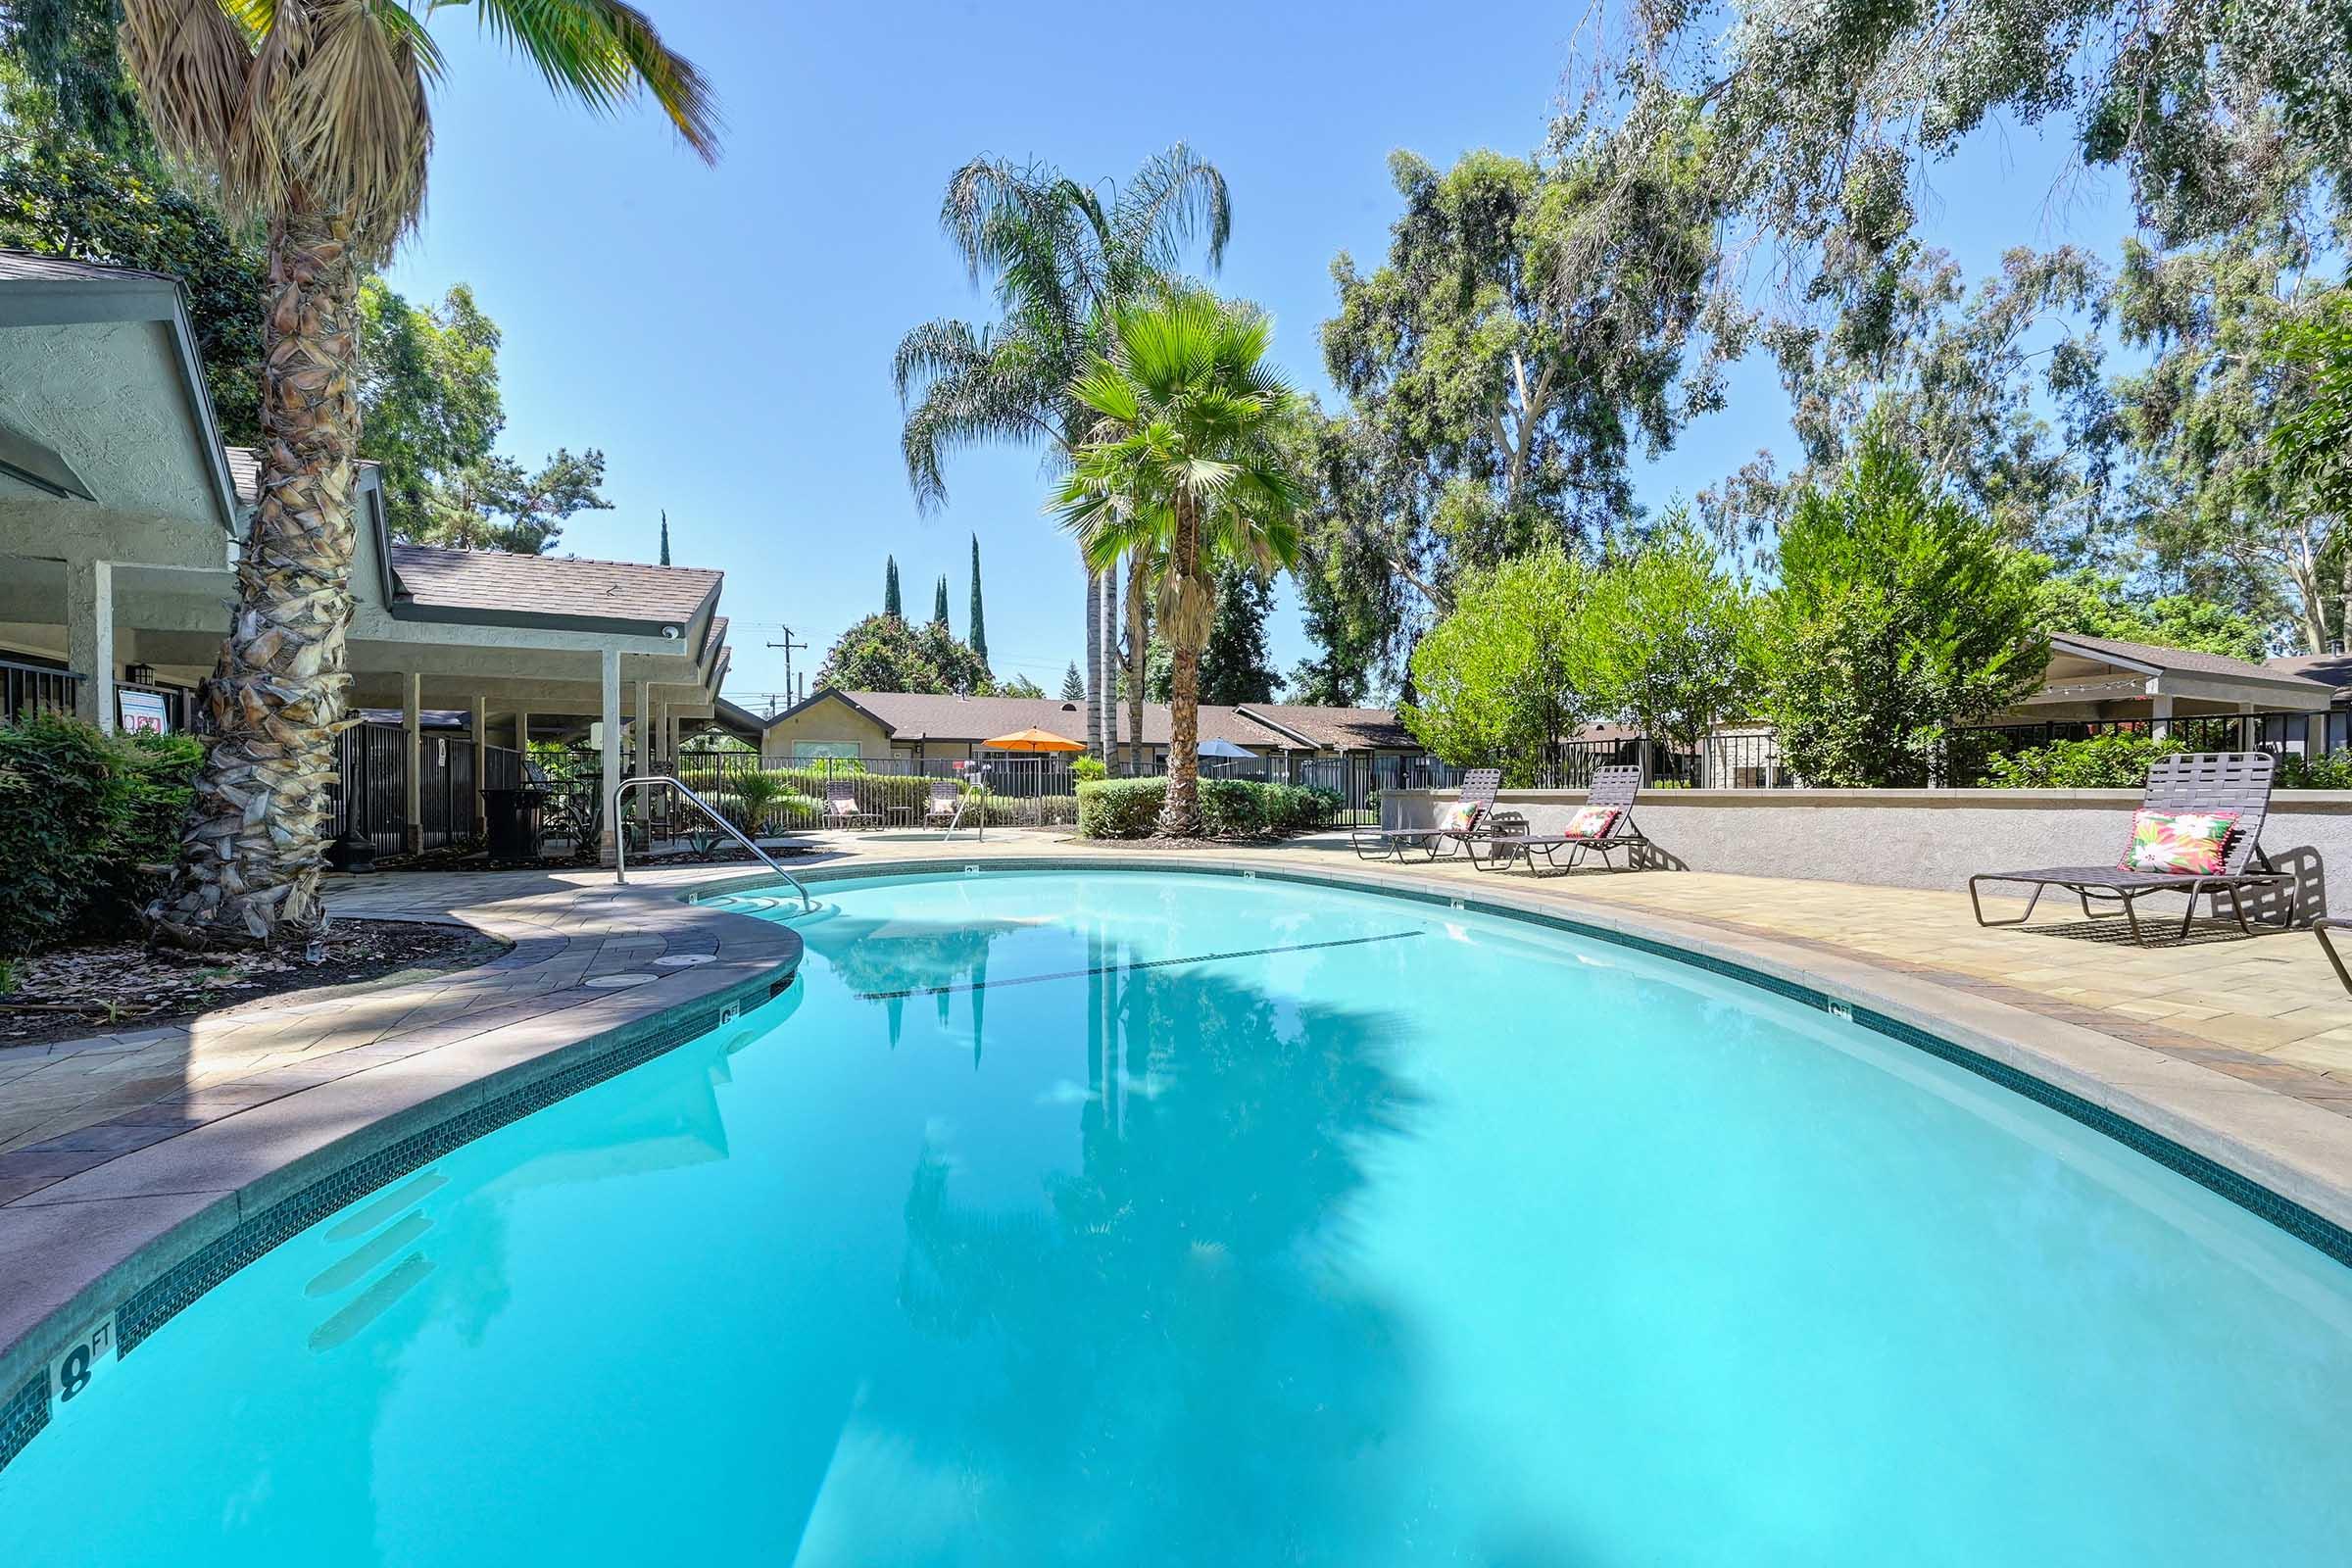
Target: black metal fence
[372, 793]
[27, 691]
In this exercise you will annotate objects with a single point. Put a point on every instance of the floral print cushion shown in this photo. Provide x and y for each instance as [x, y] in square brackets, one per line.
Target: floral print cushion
[1591, 822]
[1460, 817]
[2186, 843]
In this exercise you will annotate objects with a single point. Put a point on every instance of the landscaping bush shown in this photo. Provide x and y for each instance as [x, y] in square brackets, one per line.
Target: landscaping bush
[1119, 808]
[1230, 808]
[93, 825]
[2116, 760]
[2331, 772]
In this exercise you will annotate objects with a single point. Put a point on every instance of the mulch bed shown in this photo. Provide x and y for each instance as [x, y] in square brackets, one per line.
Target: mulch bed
[114, 987]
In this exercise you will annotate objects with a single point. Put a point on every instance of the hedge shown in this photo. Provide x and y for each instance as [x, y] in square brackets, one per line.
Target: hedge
[1230, 808]
[2116, 760]
[92, 825]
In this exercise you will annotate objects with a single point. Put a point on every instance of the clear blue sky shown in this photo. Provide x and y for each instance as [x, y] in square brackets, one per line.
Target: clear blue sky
[725, 334]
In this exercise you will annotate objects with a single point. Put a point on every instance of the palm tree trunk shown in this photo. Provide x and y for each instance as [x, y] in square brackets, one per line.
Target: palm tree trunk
[275, 704]
[1094, 746]
[1139, 638]
[1187, 630]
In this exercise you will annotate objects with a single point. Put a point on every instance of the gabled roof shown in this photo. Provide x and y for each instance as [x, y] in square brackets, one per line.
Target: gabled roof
[1335, 729]
[54, 291]
[910, 717]
[2156, 658]
[2328, 669]
[432, 584]
[24, 265]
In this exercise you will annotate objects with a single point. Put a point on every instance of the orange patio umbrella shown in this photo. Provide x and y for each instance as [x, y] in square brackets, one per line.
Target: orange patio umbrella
[1034, 740]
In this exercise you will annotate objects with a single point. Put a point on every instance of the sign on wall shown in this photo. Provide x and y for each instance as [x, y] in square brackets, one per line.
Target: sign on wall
[138, 713]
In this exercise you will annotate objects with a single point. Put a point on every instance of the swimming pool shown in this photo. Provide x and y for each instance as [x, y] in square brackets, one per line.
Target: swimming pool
[1139, 1217]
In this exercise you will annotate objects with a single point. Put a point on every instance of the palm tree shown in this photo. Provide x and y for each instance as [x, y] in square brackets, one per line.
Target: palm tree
[311, 117]
[1185, 462]
[1059, 259]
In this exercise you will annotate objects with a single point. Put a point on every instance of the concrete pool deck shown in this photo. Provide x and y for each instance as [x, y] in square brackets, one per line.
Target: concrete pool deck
[122, 1157]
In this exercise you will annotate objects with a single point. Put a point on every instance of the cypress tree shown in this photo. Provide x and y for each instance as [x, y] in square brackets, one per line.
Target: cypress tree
[666, 537]
[939, 603]
[1073, 685]
[889, 588]
[978, 635]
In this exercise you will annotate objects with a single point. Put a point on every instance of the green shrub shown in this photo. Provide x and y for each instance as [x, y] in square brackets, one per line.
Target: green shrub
[2331, 772]
[1119, 808]
[2116, 760]
[92, 826]
[1089, 768]
[1230, 808]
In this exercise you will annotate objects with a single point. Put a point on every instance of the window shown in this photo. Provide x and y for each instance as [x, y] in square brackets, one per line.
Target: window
[812, 750]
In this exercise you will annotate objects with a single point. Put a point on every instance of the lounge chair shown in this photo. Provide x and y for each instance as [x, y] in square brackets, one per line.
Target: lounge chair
[1604, 826]
[842, 811]
[2200, 783]
[1455, 827]
[946, 802]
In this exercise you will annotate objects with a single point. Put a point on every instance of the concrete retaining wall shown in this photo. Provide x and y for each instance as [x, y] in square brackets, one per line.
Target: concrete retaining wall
[1913, 838]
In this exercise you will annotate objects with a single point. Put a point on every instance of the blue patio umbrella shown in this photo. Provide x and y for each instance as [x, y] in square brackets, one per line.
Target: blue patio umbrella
[1223, 747]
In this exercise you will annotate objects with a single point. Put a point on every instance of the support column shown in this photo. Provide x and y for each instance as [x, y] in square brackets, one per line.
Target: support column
[645, 729]
[412, 745]
[669, 734]
[91, 640]
[606, 847]
[481, 766]
[2160, 716]
[522, 732]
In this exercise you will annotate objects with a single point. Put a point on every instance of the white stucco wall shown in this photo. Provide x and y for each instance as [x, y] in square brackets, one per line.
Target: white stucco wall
[1916, 838]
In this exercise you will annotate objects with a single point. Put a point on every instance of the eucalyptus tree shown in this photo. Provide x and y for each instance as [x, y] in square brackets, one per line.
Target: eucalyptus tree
[1188, 460]
[311, 117]
[1059, 257]
[1524, 338]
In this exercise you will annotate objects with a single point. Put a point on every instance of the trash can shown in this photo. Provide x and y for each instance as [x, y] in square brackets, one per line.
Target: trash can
[512, 824]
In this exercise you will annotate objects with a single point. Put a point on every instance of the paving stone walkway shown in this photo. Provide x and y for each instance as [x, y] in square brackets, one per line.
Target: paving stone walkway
[71, 1105]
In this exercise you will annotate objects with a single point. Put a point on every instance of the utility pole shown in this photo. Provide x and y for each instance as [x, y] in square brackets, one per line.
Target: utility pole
[788, 645]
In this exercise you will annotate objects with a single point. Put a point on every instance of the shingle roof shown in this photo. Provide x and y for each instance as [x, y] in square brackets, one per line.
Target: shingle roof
[2189, 661]
[551, 585]
[1339, 729]
[2328, 669]
[25, 265]
[913, 716]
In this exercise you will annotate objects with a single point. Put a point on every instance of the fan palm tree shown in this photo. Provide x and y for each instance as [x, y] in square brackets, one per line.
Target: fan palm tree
[311, 117]
[1185, 463]
[1060, 259]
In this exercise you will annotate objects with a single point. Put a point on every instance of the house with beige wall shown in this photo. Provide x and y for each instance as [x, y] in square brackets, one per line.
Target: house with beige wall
[913, 730]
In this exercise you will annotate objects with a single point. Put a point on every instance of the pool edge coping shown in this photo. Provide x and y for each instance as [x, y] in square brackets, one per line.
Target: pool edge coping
[2285, 1162]
[221, 1229]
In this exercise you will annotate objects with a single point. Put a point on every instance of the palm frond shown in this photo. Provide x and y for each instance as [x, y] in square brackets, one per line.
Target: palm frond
[970, 393]
[1175, 196]
[603, 52]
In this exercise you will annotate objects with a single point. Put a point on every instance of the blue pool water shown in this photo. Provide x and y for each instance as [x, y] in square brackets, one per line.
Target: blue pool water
[1130, 1219]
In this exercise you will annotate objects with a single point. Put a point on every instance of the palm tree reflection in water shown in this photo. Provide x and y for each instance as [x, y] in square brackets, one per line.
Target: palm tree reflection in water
[894, 958]
[1174, 1350]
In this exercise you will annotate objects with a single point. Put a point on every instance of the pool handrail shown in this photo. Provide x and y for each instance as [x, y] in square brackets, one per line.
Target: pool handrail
[621, 837]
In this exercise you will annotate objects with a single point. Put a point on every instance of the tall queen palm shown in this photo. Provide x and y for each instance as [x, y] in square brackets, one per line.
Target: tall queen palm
[311, 117]
[1186, 466]
[1060, 259]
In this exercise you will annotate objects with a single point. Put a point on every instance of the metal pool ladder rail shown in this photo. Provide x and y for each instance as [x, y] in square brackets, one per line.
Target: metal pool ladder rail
[620, 839]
